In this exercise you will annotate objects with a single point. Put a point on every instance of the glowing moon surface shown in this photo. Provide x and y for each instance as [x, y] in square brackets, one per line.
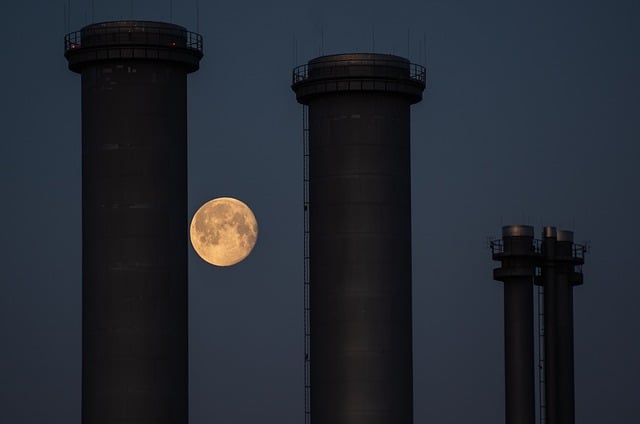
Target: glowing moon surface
[223, 231]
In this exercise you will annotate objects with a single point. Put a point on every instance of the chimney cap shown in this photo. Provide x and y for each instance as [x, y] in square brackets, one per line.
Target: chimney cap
[517, 231]
[565, 235]
[549, 232]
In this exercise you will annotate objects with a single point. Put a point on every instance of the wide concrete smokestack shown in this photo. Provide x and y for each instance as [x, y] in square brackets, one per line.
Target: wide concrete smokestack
[134, 218]
[360, 235]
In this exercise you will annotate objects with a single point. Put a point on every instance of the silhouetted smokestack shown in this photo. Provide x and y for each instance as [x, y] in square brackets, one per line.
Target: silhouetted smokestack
[134, 219]
[560, 258]
[360, 235]
[517, 254]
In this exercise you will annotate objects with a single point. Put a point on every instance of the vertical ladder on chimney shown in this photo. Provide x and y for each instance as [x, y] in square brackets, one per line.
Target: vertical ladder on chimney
[307, 307]
[541, 380]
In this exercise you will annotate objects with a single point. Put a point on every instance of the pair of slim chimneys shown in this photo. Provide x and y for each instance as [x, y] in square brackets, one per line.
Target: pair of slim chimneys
[553, 263]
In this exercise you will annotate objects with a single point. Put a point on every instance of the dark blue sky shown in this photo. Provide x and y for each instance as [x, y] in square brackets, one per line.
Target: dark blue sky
[531, 116]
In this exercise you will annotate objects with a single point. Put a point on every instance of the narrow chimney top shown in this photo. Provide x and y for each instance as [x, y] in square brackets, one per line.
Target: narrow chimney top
[517, 231]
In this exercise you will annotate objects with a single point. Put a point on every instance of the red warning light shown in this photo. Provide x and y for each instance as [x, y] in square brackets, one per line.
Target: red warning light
[172, 44]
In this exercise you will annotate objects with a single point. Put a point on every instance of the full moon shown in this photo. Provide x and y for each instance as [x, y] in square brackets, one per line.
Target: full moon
[223, 231]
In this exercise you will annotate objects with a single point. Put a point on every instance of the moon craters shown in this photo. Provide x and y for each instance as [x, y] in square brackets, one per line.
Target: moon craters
[223, 231]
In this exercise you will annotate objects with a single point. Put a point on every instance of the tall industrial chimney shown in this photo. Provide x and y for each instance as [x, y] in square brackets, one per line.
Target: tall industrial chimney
[517, 254]
[558, 276]
[359, 208]
[134, 218]
[547, 280]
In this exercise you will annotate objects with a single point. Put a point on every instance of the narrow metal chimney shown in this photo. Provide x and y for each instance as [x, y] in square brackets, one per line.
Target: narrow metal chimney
[558, 276]
[518, 256]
